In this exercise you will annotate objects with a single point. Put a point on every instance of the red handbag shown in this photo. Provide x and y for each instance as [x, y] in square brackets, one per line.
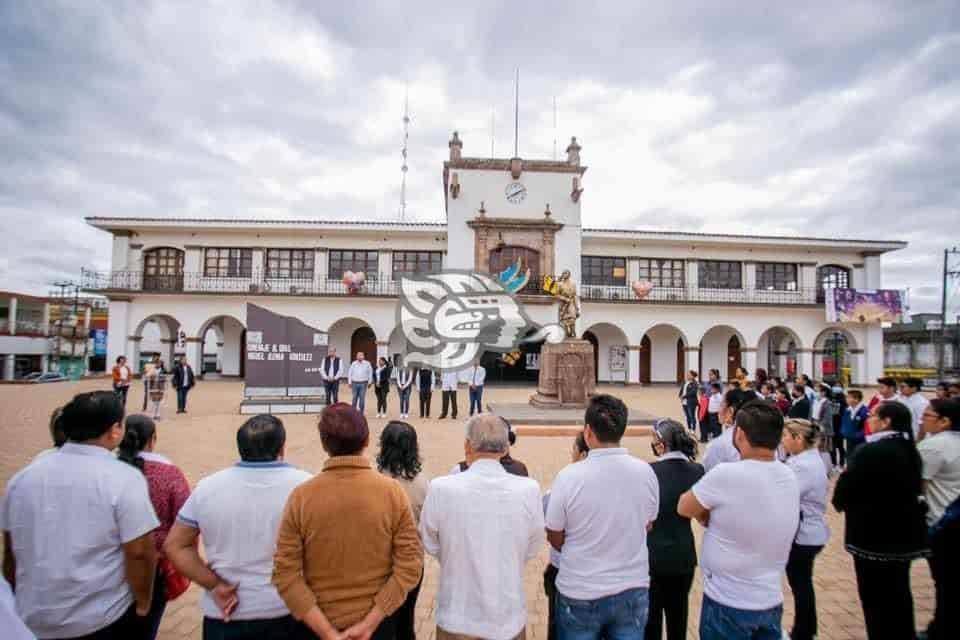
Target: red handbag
[175, 582]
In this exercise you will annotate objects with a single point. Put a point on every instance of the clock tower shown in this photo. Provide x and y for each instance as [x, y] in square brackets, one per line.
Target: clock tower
[500, 210]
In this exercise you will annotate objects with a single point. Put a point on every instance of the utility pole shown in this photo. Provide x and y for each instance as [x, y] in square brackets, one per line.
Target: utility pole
[949, 273]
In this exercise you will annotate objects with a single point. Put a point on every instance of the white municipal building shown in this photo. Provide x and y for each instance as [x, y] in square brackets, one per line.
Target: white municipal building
[718, 301]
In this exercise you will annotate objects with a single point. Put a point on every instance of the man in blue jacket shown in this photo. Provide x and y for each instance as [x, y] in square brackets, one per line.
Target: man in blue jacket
[852, 422]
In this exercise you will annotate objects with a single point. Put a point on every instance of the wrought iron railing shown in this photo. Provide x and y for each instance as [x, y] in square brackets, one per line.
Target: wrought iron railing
[259, 284]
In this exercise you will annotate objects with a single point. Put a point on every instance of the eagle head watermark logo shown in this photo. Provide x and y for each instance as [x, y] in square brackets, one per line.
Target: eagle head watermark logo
[450, 319]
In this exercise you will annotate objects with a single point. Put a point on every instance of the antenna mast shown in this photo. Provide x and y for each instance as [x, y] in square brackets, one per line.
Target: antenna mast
[403, 168]
[516, 116]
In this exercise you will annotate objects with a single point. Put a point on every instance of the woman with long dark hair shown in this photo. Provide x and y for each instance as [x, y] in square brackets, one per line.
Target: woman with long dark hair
[673, 556]
[881, 493]
[168, 491]
[399, 458]
[800, 440]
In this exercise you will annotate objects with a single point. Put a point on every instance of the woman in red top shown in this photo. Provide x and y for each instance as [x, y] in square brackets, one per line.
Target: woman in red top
[168, 491]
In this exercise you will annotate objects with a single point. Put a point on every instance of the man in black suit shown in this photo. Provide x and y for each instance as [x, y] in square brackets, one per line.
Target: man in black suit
[183, 381]
[426, 380]
[331, 370]
[688, 398]
[801, 404]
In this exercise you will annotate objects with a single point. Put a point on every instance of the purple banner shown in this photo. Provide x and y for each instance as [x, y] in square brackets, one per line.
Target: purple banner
[864, 306]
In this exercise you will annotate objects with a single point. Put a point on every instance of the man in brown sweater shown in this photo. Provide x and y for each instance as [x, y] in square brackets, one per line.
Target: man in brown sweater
[347, 550]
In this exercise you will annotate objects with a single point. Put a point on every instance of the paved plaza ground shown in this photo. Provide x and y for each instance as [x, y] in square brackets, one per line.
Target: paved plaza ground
[203, 441]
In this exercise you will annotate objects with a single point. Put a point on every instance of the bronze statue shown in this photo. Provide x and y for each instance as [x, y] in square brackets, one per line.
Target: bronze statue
[569, 305]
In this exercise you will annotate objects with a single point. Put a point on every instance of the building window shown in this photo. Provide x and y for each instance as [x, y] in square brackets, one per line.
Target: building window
[290, 264]
[342, 260]
[603, 270]
[720, 274]
[407, 263]
[662, 273]
[776, 276]
[165, 261]
[227, 263]
[831, 276]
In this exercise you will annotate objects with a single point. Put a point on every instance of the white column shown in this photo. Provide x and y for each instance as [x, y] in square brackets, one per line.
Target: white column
[44, 363]
[750, 282]
[230, 352]
[320, 270]
[194, 353]
[805, 362]
[808, 282]
[12, 323]
[858, 361]
[132, 353]
[384, 265]
[749, 359]
[871, 266]
[220, 357]
[633, 270]
[873, 352]
[693, 279]
[693, 360]
[633, 363]
[46, 318]
[121, 253]
[118, 329]
[858, 279]
[9, 366]
[168, 352]
[192, 267]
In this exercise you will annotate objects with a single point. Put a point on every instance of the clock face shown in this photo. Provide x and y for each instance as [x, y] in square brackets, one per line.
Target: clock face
[515, 192]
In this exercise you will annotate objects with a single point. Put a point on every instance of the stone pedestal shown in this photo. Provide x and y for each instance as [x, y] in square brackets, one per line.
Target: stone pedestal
[567, 376]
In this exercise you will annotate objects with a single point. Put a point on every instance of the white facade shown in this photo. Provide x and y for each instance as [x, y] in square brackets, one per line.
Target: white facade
[758, 309]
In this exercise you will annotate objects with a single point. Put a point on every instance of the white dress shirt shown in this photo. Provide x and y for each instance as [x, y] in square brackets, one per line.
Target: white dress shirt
[238, 511]
[483, 525]
[404, 378]
[917, 403]
[478, 376]
[331, 368]
[360, 371]
[603, 505]
[449, 380]
[69, 514]
[721, 450]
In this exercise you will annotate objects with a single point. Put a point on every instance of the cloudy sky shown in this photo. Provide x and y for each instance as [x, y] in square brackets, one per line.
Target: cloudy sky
[836, 119]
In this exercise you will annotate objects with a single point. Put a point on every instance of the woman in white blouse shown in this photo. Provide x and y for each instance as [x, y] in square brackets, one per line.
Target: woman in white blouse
[800, 442]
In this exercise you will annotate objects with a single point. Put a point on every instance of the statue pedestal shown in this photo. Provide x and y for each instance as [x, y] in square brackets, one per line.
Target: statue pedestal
[567, 376]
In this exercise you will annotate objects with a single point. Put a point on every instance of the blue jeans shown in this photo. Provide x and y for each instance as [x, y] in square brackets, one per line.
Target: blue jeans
[690, 412]
[618, 617]
[476, 398]
[720, 622]
[182, 398]
[359, 395]
[405, 400]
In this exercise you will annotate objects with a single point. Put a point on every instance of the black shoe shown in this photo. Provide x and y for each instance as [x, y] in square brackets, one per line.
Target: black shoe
[441, 417]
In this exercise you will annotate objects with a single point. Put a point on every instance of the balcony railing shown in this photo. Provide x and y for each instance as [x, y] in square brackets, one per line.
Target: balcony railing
[695, 295]
[385, 286]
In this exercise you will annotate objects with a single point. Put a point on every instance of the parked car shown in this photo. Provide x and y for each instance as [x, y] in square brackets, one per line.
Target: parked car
[49, 377]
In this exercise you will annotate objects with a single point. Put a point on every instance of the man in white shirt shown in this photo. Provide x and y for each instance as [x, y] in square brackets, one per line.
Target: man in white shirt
[360, 376]
[10, 622]
[78, 532]
[448, 390]
[911, 396]
[599, 513]
[482, 548]
[478, 375]
[751, 510]
[237, 512]
[330, 373]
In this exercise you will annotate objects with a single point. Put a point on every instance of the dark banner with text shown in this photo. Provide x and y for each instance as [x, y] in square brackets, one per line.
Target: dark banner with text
[283, 355]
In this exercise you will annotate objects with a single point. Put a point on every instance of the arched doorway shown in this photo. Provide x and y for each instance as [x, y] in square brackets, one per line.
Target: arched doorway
[666, 353]
[592, 339]
[645, 352]
[832, 355]
[733, 357]
[223, 346]
[163, 269]
[364, 339]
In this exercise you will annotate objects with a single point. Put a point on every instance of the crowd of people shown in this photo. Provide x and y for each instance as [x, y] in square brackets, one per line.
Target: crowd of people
[101, 531]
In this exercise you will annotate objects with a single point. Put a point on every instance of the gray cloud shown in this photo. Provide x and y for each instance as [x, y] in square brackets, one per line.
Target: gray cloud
[836, 119]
